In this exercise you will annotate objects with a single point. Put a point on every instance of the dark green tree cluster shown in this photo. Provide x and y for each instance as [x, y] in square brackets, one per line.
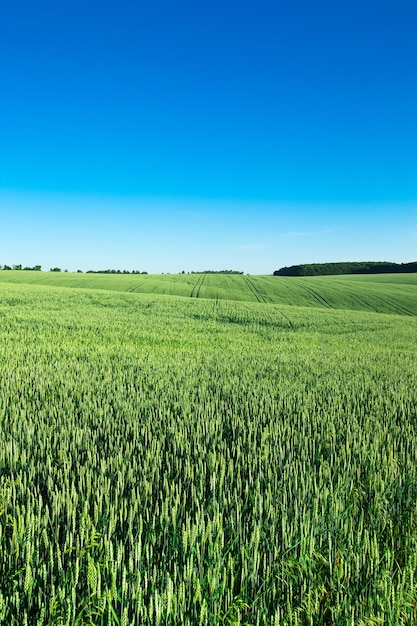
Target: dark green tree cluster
[355, 267]
[35, 268]
[38, 268]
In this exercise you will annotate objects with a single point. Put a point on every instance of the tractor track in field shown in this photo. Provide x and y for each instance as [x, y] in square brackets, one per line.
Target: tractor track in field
[203, 276]
[255, 291]
[262, 299]
[195, 292]
[317, 297]
[194, 288]
[286, 318]
[365, 304]
[399, 309]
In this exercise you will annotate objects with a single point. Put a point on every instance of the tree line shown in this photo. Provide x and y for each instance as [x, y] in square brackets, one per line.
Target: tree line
[35, 268]
[351, 267]
[38, 268]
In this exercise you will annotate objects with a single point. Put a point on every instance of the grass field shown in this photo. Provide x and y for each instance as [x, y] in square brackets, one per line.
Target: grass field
[388, 293]
[197, 460]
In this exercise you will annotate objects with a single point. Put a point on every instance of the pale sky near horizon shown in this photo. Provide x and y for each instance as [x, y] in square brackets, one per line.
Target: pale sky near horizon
[168, 136]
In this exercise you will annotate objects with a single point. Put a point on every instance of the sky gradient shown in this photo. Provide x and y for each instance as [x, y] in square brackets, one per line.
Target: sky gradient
[169, 136]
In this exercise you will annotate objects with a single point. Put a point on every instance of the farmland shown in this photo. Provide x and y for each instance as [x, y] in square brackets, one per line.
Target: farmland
[387, 293]
[202, 449]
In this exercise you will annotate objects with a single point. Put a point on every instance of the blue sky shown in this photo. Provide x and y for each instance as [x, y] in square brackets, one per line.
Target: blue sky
[170, 136]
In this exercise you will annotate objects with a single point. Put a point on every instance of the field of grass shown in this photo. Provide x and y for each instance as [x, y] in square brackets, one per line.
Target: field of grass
[399, 279]
[389, 293]
[188, 461]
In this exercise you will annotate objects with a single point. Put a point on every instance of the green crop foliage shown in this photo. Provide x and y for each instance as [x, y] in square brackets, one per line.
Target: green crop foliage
[192, 461]
[389, 293]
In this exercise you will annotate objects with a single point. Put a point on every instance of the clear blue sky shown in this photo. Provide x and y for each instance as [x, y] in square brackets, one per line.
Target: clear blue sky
[168, 136]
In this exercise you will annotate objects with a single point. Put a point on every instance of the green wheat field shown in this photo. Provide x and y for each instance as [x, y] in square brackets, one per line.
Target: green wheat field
[208, 449]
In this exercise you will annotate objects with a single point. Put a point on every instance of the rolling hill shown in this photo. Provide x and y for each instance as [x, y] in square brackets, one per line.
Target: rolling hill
[382, 293]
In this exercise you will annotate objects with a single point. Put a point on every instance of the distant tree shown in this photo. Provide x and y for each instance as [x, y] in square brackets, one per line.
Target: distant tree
[55, 269]
[79, 271]
[351, 267]
[7, 267]
[17, 267]
[409, 267]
